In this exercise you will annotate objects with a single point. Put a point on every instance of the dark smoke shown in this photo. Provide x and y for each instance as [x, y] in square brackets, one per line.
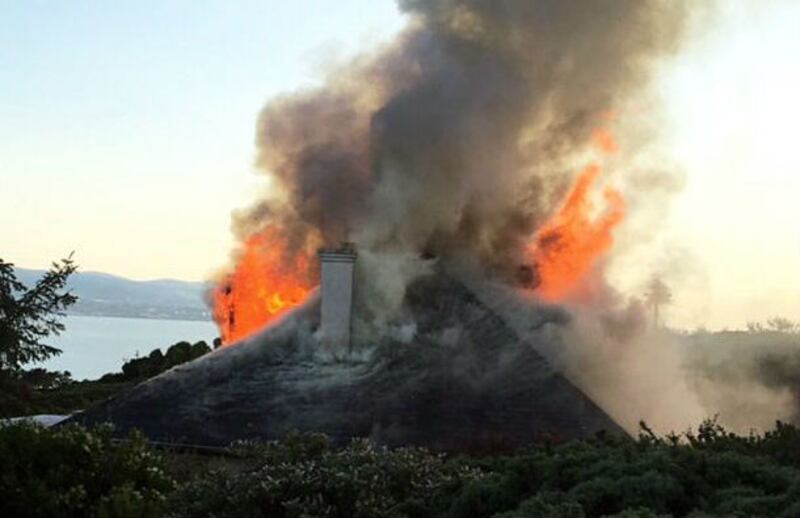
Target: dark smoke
[453, 143]
[456, 138]
[750, 378]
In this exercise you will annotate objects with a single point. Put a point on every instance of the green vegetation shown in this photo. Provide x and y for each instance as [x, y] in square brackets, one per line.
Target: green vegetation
[18, 396]
[29, 315]
[72, 471]
[38, 391]
[140, 369]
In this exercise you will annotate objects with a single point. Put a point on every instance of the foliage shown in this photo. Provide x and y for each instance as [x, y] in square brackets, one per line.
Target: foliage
[707, 473]
[19, 399]
[139, 369]
[30, 315]
[710, 472]
[43, 379]
[71, 471]
[304, 476]
[38, 391]
[775, 325]
[156, 362]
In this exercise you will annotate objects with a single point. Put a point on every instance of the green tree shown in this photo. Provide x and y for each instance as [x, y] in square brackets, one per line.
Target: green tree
[29, 315]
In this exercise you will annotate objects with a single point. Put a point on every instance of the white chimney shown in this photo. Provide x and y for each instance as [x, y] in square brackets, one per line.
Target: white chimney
[337, 294]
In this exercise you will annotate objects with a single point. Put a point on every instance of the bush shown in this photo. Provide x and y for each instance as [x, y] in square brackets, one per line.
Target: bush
[42, 379]
[156, 362]
[711, 473]
[19, 396]
[38, 391]
[73, 471]
[304, 476]
[77, 472]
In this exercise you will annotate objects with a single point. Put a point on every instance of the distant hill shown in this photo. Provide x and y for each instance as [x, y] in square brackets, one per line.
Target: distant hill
[102, 294]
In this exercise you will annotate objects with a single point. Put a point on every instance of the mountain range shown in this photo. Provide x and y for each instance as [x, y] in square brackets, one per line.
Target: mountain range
[103, 294]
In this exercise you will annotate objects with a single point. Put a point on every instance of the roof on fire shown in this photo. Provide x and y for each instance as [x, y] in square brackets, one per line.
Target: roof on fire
[465, 381]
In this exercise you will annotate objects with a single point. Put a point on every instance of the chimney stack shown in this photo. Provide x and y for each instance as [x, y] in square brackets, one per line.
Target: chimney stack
[337, 294]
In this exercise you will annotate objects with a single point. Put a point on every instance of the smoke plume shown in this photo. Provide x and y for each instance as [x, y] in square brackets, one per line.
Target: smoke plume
[460, 136]
[451, 147]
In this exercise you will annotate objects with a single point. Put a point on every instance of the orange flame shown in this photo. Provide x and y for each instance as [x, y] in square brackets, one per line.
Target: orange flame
[568, 245]
[264, 285]
[605, 140]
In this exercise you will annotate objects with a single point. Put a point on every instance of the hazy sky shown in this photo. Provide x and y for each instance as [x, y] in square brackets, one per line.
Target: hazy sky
[126, 134]
[734, 103]
[127, 127]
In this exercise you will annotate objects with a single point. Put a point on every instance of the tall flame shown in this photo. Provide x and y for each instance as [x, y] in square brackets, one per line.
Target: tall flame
[568, 245]
[264, 284]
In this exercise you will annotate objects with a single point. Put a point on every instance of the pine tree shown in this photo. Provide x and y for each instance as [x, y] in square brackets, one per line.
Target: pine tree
[29, 315]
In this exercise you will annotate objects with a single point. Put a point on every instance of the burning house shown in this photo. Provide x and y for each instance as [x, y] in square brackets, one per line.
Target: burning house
[462, 380]
[478, 140]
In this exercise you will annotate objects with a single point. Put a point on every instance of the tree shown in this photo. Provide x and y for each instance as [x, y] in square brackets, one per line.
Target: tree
[657, 295]
[30, 315]
[782, 325]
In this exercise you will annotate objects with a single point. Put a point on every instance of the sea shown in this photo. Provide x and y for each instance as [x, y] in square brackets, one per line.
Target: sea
[93, 346]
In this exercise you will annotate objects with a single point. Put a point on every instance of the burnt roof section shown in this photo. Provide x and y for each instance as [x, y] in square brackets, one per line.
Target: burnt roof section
[465, 382]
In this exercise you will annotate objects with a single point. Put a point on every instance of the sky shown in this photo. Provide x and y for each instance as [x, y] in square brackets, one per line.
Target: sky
[126, 135]
[126, 128]
[733, 100]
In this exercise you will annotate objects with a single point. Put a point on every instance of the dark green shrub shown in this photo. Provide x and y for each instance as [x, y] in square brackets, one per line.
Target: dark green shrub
[720, 475]
[156, 362]
[304, 476]
[546, 505]
[484, 497]
[74, 471]
[42, 379]
[78, 472]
